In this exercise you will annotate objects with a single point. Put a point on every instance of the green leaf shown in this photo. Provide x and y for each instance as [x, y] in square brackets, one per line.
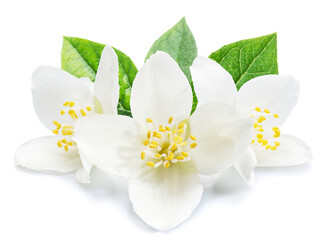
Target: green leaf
[249, 58]
[180, 44]
[80, 57]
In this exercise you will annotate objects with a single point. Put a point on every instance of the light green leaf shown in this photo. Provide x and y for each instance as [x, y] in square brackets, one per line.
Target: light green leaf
[80, 57]
[180, 44]
[249, 58]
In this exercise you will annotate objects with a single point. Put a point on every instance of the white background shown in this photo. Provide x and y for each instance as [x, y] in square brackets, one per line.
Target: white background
[286, 203]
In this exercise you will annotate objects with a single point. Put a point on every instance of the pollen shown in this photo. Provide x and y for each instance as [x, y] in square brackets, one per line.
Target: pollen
[193, 145]
[142, 155]
[165, 146]
[151, 164]
[262, 121]
[59, 144]
[55, 131]
[83, 113]
[62, 112]
[88, 108]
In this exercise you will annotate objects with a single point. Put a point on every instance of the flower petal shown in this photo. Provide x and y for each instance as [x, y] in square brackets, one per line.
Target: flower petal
[222, 136]
[245, 166]
[106, 87]
[292, 151]
[111, 143]
[277, 93]
[83, 175]
[51, 88]
[43, 154]
[160, 90]
[212, 83]
[164, 198]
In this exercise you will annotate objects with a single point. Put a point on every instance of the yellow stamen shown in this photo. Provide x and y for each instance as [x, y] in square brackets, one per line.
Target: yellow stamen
[158, 135]
[277, 143]
[193, 137]
[260, 140]
[252, 141]
[55, 131]
[173, 147]
[276, 115]
[59, 144]
[71, 104]
[170, 157]
[150, 164]
[266, 111]
[146, 142]
[62, 112]
[255, 125]
[193, 145]
[268, 147]
[258, 109]
[70, 143]
[152, 146]
[180, 158]
[155, 134]
[161, 129]
[170, 120]
[181, 125]
[142, 155]
[185, 154]
[66, 104]
[181, 130]
[83, 113]
[158, 155]
[174, 131]
[277, 135]
[149, 120]
[261, 119]
[168, 128]
[183, 144]
[88, 108]
[148, 134]
[260, 129]
[166, 164]
[273, 148]
[64, 141]
[66, 148]
[259, 135]
[264, 142]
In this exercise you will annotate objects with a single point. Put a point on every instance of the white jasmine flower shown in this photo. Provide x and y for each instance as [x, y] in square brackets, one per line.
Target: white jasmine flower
[268, 100]
[60, 99]
[162, 149]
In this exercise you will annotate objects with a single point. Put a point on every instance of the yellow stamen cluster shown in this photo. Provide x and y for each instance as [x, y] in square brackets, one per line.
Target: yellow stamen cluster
[166, 145]
[73, 110]
[258, 127]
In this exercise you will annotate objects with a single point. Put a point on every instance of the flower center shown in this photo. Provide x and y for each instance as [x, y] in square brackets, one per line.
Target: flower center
[74, 111]
[167, 144]
[260, 118]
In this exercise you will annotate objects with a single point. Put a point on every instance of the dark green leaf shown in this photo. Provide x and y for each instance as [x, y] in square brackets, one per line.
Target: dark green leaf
[180, 44]
[80, 57]
[249, 58]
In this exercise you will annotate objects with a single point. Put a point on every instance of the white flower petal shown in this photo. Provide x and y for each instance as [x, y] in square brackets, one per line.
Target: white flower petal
[222, 136]
[111, 143]
[292, 151]
[83, 175]
[51, 88]
[164, 198]
[43, 154]
[106, 87]
[212, 83]
[160, 90]
[245, 165]
[279, 94]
